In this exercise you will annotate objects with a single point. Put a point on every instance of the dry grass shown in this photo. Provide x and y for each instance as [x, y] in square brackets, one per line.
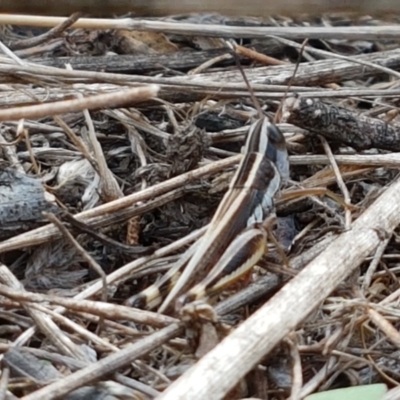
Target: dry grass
[141, 161]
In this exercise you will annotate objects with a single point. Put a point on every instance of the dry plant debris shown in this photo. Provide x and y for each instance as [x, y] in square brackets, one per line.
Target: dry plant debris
[126, 141]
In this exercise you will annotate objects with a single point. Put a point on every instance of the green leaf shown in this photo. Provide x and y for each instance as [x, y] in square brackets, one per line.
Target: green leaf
[366, 392]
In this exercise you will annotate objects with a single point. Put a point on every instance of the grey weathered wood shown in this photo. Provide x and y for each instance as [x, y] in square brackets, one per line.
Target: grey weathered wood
[216, 84]
[308, 74]
[341, 125]
[135, 63]
[25, 365]
[22, 201]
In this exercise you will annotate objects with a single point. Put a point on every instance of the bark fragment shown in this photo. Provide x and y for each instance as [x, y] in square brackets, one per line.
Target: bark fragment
[340, 124]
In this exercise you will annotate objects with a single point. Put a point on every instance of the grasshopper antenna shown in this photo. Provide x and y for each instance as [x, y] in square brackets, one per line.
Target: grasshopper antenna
[232, 45]
[279, 110]
[256, 103]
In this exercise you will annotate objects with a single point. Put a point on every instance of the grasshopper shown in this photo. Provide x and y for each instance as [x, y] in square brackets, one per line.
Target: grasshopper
[236, 238]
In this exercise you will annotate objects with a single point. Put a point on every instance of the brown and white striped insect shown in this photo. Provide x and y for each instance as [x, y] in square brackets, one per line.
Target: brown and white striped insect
[236, 238]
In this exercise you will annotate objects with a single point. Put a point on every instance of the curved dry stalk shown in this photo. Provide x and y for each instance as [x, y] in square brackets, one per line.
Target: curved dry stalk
[339, 178]
[301, 193]
[108, 189]
[57, 31]
[81, 251]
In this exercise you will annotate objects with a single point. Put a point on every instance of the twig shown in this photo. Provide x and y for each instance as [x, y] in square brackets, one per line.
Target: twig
[5, 376]
[339, 179]
[51, 34]
[28, 144]
[278, 114]
[386, 160]
[297, 374]
[374, 264]
[209, 63]
[77, 141]
[258, 57]
[98, 308]
[384, 325]
[110, 100]
[108, 188]
[81, 251]
[106, 365]
[113, 244]
[222, 31]
[330, 55]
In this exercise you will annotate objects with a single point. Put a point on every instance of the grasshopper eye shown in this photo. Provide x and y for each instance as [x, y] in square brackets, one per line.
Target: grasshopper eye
[257, 138]
[275, 136]
[277, 152]
[267, 139]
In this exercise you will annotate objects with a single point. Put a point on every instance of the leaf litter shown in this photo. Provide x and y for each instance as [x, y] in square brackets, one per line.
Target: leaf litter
[137, 135]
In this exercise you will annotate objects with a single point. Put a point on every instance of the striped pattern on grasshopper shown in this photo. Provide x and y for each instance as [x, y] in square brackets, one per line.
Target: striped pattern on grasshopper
[235, 239]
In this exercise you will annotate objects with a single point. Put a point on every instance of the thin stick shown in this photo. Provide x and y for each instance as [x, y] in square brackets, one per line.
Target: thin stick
[297, 374]
[109, 100]
[52, 33]
[374, 264]
[98, 308]
[214, 30]
[5, 376]
[329, 55]
[278, 113]
[81, 251]
[251, 92]
[106, 365]
[339, 179]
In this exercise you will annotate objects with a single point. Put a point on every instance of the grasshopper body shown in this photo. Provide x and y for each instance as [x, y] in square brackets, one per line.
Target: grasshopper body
[234, 240]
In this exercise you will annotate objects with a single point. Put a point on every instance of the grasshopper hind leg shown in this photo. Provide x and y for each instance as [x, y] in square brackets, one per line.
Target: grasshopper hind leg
[238, 259]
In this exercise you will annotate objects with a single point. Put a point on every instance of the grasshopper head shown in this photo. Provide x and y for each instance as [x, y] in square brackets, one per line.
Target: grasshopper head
[265, 138]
